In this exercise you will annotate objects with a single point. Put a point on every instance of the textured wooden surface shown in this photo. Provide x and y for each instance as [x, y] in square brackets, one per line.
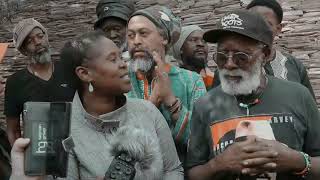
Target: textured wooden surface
[66, 19]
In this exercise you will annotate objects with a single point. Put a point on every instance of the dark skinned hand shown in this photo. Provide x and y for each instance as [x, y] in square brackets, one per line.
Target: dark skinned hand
[235, 157]
[287, 159]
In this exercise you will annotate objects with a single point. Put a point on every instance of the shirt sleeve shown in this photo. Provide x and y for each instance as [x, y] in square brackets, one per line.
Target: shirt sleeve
[12, 107]
[303, 73]
[311, 144]
[198, 150]
[181, 130]
[172, 165]
[306, 81]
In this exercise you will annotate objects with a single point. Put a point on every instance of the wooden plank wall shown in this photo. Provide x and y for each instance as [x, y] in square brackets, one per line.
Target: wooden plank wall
[66, 19]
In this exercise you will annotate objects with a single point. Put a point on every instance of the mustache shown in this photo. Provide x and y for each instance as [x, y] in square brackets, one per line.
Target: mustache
[145, 50]
[200, 50]
[236, 72]
[35, 53]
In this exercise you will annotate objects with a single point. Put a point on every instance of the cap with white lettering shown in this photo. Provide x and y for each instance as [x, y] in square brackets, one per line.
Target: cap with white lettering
[246, 23]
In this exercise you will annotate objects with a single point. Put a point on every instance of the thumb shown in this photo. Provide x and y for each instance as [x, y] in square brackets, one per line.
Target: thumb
[20, 144]
[17, 156]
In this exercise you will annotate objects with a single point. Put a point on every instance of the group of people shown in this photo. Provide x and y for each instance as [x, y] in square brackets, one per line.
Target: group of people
[255, 117]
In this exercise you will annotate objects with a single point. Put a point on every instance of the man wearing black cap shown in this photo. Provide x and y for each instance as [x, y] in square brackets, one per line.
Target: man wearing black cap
[253, 126]
[281, 65]
[113, 16]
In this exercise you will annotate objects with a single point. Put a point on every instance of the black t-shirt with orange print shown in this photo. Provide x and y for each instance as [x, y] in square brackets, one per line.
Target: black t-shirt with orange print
[286, 111]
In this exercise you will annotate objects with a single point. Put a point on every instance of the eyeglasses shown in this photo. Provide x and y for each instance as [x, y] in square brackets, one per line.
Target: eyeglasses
[239, 58]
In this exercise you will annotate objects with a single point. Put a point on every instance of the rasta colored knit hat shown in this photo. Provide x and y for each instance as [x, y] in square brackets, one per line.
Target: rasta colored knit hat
[164, 19]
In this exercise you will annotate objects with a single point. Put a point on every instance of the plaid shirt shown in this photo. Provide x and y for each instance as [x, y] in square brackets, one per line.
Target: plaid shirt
[186, 85]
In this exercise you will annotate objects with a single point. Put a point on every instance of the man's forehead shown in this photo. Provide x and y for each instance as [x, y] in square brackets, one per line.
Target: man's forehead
[196, 33]
[113, 21]
[35, 32]
[141, 22]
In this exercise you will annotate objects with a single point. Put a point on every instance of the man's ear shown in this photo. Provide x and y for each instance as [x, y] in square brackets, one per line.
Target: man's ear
[279, 28]
[83, 73]
[267, 54]
[23, 50]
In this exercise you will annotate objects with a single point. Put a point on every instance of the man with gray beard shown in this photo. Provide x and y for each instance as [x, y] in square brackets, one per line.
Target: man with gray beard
[41, 80]
[151, 33]
[253, 126]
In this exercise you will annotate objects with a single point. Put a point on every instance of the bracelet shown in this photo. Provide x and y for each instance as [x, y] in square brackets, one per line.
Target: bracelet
[304, 173]
[175, 106]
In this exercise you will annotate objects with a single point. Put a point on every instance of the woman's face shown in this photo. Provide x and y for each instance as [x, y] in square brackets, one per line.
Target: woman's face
[107, 72]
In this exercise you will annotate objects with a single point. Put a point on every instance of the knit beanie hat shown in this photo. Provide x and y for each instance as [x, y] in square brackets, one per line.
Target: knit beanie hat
[164, 19]
[23, 29]
[185, 32]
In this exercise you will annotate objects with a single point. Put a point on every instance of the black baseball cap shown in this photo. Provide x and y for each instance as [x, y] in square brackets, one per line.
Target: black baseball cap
[121, 9]
[244, 22]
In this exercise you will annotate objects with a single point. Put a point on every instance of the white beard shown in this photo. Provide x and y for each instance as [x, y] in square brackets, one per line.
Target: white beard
[143, 65]
[41, 58]
[249, 82]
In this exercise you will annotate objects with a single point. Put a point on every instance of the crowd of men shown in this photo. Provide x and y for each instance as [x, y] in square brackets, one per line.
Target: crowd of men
[255, 117]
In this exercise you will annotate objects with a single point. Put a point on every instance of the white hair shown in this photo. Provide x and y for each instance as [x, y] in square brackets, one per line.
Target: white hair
[41, 58]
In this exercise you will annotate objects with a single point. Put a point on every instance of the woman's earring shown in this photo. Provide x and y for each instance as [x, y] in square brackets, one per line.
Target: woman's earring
[90, 87]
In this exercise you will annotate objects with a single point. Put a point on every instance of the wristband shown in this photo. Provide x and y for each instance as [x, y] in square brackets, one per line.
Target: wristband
[304, 173]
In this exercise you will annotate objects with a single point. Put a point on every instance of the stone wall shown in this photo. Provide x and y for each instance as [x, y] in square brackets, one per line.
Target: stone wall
[66, 19]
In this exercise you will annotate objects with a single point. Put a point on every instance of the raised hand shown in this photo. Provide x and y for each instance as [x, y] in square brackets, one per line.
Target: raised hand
[162, 84]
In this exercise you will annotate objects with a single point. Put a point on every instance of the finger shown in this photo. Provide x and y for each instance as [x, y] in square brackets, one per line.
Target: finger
[264, 141]
[245, 141]
[262, 154]
[158, 73]
[269, 167]
[157, 59]
[252, 138]
[250, 148]
[258, 145]
[257, 162]
[20, 144]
